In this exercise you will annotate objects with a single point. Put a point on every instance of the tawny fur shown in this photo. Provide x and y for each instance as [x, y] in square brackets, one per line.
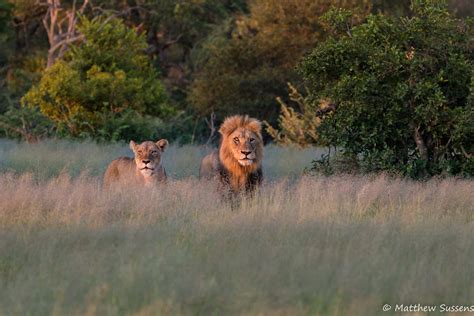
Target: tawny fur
[144, 169]
[239, 134]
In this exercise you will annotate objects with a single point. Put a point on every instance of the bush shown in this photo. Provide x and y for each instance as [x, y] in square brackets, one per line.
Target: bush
[403, 89]
[101, 83]
[298, 127]
[23, 123]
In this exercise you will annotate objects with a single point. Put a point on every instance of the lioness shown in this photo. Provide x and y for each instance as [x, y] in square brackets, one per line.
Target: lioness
[238, 162]
[145, 168]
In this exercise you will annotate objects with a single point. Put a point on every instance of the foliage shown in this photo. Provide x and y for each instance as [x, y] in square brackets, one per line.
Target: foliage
[247, 63]
[296, 126]
[5, 11]
[107, 77]
[222, 56]
[173, 29]
[24, 123]
[16, 121]
[404, 90]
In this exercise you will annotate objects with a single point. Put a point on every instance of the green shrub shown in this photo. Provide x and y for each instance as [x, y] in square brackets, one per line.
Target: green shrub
[403, 89]
[102, 83]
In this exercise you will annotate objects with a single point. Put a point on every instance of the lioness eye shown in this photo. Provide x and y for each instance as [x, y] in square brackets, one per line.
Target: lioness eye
[154, 152]
[252, 140]
[236, 140]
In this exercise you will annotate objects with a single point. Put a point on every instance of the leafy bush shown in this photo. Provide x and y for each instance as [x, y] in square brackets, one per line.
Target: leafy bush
[103, 82]
[23, 123]
[403, 89]
[16, 121]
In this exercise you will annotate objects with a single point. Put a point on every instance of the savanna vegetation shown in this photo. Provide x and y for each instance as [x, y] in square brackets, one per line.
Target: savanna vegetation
[339, 245]
[388, 84]
[367, 199]
[400, 91]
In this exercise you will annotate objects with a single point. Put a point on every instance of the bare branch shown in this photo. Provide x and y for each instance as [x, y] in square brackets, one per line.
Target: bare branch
[465, 153]
[420, 142]
[60, 25]
[65, 42]
[211, 124]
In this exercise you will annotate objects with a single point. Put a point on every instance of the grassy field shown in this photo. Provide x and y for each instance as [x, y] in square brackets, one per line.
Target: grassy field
[343, 245]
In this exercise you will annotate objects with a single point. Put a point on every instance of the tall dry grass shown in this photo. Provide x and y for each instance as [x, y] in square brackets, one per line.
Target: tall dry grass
[306, 246]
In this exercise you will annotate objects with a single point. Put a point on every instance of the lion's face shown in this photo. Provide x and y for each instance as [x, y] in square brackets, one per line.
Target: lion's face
[243, 144]
[148, 156]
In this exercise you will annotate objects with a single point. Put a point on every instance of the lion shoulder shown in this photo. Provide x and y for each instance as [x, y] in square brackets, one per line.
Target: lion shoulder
[119, 169]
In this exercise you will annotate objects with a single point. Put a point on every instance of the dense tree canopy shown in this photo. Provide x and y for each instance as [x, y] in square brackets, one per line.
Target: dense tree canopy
[245, 66]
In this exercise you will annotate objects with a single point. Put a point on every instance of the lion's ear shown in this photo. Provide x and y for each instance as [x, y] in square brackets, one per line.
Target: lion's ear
[162, 144]
[229, 125]
[224, 130]
[255, 126]
[133, 145]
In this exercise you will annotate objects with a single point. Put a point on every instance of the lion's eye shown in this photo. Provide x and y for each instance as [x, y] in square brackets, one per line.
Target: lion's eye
[252, 140]
[236, 140]
[154, 152]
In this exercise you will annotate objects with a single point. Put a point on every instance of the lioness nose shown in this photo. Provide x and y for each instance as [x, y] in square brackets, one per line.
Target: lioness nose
[146, 161]
[245, 152]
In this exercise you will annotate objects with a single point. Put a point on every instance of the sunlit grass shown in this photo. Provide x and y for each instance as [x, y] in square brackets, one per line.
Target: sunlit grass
[305, 246]
[50, 158]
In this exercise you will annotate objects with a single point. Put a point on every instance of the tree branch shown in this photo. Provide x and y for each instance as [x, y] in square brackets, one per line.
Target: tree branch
[465, 153]
[212, 127]
[420, 143]
[330, 108]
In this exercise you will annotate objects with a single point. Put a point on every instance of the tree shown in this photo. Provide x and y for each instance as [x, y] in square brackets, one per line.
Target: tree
[60, 26]
[247, 65]
[104, 79]
[402, 89]
[5, 11]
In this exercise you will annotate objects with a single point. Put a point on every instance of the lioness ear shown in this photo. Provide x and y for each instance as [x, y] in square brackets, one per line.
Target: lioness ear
[133, 145]
[162, 144]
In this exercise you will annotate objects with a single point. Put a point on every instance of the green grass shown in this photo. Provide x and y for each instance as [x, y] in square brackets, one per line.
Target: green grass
[341, 245]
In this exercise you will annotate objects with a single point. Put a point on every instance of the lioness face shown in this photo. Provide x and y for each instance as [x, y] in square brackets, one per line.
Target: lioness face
[148, 156]
[244, 144]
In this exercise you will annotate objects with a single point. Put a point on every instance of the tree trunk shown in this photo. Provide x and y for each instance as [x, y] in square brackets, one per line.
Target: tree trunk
[60, 25]
[420, 143]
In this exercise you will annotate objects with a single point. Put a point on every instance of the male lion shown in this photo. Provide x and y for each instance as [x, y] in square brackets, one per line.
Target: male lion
[145, 168]
[238, 162]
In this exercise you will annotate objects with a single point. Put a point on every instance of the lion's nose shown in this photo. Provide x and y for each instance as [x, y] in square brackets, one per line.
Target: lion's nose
[146, 161]
[246, 152]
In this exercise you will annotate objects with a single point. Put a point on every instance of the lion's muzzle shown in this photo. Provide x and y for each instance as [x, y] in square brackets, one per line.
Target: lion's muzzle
[247, 158]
